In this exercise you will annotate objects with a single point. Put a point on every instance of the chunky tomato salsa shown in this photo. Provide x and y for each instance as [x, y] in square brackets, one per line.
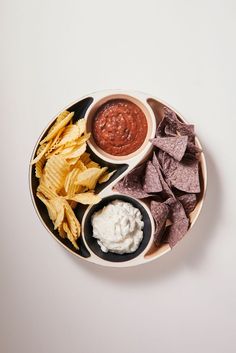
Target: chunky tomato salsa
[119, 127]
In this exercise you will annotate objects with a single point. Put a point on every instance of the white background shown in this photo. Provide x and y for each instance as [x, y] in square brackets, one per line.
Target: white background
[52, 53]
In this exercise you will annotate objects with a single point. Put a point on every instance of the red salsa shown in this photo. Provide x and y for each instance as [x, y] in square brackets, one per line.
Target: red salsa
[119, 127]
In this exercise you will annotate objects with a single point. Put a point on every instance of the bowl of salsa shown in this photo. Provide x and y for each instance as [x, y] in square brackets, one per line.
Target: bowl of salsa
[120, 126]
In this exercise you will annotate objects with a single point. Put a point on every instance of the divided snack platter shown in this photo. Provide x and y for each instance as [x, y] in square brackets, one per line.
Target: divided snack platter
[89, 250]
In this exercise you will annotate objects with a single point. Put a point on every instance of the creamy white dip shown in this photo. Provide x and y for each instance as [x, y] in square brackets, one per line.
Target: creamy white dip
[118, 227]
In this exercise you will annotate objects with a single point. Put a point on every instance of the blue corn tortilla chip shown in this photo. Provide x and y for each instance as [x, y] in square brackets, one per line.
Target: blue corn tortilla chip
[189, 202]
[165, 187]
[168, 124]
[169, 131]
[185, 129]
[174, 146]
[160, 213]
[192, 148]
[171, 126]
[166, 128]
[182, 175]
[152, 181]
[185, 177]
[180, 222]
[167, 166]
[171, 120]
[131, 184]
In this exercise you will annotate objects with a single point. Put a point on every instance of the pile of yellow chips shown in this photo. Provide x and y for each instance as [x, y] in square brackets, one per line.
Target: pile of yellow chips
[66, 173]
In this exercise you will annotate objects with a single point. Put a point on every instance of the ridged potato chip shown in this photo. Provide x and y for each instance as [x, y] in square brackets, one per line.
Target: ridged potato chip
[72, 220]
[53, 132]
[72, 204]
[76, 152]
[67, 179]
[55, 151]
[90, 177]
[67, 175]
[81, 123]
[83, 139]
[64, 151]
[39, 167]
[54, 144]
[105, 177]
[42, 151]
[70, 133]
[58, 204]
[70, 235]
[55, 172]
[92, 164]
[46, 190]
[72, 161]
[62, 116]
[70, 182]
[80, 165]
[86, 198]
[75, 218]
[85, 158]
[51, 210]
[61, 231]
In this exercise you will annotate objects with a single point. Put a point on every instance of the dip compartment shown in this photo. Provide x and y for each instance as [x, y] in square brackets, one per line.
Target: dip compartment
[91, 242]
[145, 147]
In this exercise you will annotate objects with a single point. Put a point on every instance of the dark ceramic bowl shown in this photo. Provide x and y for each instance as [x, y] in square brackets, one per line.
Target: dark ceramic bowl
[92, 242]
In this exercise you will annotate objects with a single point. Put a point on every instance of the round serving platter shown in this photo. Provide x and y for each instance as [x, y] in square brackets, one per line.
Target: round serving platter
[89, 250]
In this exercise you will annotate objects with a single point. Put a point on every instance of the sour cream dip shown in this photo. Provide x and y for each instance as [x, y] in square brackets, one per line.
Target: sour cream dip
[118, 227]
